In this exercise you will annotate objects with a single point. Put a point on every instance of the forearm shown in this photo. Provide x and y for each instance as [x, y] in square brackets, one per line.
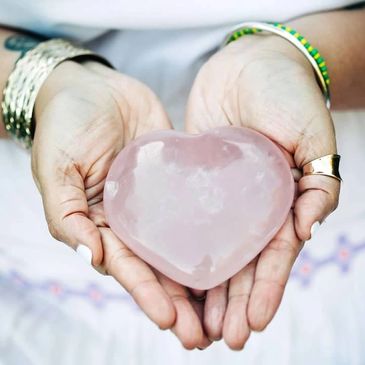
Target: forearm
[340, 38]
[9, 53]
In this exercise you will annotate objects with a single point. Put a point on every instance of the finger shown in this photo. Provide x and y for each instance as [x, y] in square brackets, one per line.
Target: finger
[272, 272]
[318, 194]
[198, 306]
[66, 210]
[187, 326]
[236, 330]
[138, 279]
[214, 311]
[318, 197]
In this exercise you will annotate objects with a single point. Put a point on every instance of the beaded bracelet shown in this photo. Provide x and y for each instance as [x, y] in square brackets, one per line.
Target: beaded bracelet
[291, 35]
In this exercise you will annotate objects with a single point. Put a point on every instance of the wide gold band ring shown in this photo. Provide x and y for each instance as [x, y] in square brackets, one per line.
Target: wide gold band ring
[326, 166]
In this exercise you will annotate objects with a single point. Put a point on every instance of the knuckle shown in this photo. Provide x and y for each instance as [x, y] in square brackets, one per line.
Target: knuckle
[140, 285]
[242, 297]
[91, 231]
[53, 229]
[178, 297]
[283, 245]
[117, 258]
[276, 285]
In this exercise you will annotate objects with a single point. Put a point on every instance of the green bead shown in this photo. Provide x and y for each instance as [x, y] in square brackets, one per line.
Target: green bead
[246, 31]
[314, 52]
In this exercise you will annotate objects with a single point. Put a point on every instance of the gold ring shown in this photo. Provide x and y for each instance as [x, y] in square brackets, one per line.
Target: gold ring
[326, 166]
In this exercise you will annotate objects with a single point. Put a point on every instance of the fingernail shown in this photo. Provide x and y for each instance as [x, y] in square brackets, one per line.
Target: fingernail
[85, 253]
[215, 339]
[314, 228]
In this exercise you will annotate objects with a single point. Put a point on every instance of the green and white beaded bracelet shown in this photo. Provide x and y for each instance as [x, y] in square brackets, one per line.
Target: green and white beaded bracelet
[312, 54]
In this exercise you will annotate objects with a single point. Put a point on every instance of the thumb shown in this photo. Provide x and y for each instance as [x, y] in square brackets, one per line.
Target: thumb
[66, 211]
[318, 197]
[318, 194]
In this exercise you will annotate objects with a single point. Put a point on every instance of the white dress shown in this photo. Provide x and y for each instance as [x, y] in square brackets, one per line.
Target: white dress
[56, 310]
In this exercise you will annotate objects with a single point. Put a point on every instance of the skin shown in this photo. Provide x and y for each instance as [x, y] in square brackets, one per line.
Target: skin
[76, 109]
[266, 84]
[304, 131]
[254, 82]
[70, 176]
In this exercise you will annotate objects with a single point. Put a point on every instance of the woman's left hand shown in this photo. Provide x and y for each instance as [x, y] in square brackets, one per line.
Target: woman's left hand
[264, 83]
[85, 114]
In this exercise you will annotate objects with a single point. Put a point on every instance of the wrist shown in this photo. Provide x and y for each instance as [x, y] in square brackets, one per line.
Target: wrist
[27, 78]
[286, 56]
[64, 76]
[270, 47]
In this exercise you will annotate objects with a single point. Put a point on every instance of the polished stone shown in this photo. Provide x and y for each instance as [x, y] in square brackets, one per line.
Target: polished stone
[198, 208]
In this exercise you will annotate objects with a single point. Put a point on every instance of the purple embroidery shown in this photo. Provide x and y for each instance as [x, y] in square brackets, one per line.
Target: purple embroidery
[305, 270]
[92, 293]
[306, 266]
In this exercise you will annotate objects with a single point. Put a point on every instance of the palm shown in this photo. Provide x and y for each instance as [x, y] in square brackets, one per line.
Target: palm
[276, 95]
[164, 301]
[79, 132]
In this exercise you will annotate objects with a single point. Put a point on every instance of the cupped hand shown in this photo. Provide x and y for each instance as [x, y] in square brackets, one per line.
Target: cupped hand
[264, 83]
[85, 114]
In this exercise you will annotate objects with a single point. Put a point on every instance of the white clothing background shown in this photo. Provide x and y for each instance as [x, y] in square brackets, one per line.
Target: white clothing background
[56, 310]
[84, 19]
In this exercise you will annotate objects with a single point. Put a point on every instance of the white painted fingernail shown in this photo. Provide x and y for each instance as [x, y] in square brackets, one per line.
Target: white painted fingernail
[85, 253]
[314, 228]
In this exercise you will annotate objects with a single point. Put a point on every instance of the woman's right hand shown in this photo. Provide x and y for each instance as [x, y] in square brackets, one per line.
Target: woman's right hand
[266, 84]
[85, 114]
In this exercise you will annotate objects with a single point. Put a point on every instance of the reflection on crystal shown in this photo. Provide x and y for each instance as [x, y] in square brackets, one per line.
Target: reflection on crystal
[111, 188]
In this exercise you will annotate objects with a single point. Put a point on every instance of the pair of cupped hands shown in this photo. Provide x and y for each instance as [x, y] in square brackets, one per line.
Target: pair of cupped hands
[86, 113]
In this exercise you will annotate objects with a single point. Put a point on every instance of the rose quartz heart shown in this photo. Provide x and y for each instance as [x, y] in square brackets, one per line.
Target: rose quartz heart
[198, 208]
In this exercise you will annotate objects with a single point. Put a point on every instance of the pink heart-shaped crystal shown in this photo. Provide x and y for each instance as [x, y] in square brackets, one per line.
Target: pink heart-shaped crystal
[198, 208]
